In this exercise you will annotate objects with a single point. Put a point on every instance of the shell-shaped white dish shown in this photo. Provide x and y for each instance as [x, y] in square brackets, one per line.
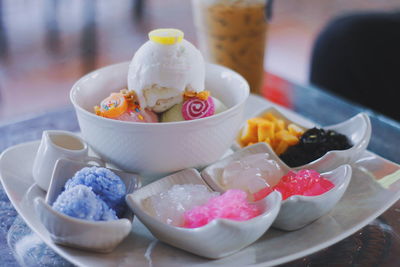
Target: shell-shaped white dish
[219, 238]
[99, 236]
[357, 129]
[296, 211]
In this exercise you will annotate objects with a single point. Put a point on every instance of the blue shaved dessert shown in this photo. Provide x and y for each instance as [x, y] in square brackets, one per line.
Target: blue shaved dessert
[104, 183]
[82, 203]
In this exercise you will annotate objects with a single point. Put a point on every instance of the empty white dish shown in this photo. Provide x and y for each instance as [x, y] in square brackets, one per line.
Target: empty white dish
[296, 211]
[219, 238]
[99, 236]
[357, 129]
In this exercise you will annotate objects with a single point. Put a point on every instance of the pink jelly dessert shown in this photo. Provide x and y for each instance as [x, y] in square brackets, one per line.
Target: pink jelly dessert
[303, 182]
[195, 108]
[145, 115]
[231, 205]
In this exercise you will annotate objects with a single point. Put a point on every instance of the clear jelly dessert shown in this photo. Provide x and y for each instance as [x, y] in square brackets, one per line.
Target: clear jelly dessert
[93, 193]
[165, 83]
[251, 173]
[169, 206]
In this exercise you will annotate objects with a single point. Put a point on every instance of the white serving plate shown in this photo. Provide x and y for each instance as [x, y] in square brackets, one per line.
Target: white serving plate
[364, 200]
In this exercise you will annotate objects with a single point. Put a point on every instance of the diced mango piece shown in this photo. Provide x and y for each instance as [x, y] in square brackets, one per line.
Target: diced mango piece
[249, 133]
[256, 120]
[280, 125]
[268, 141]
[266, 129]
[281, 147]
[295, 130]
[287, 137]
[274, 143]
[269, 116]
[271, 130]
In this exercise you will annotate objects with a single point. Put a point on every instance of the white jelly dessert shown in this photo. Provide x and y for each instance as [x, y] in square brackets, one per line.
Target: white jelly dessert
[251, 173]
[169, 206]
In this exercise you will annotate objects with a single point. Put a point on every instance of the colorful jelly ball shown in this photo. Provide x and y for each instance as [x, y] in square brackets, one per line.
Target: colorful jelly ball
[195, 108]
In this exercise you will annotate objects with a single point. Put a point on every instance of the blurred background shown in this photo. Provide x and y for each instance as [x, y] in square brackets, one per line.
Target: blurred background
[46, 45]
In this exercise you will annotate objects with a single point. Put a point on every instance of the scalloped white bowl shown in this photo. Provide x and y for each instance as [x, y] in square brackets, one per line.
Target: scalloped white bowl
[219, 238]
[99, 236]
[296, 211]
[158, 149]
[357, 129]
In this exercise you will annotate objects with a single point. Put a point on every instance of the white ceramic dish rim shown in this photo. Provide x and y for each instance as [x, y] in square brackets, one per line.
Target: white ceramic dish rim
[366, 135]
[75, 87]
[256, 102]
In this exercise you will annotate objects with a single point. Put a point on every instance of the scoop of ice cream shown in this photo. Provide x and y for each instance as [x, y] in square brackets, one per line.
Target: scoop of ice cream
[144, 115]
[163, 68]
[82, 203]
[105, 184]
[175, 113]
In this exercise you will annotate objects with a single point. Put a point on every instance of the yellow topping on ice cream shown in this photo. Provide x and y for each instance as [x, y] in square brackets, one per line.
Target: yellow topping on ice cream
[166, 36]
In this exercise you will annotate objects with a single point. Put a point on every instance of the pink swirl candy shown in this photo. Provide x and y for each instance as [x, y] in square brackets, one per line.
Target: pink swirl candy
[195, 108]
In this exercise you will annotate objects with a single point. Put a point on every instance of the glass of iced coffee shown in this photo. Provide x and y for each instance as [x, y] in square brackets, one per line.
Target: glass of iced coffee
[233, 33]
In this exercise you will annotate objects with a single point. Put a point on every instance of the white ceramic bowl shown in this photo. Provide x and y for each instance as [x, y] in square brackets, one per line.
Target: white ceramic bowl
[357, 129]
[296, 211]
[156, 149]
[219, 238]
[99, 236]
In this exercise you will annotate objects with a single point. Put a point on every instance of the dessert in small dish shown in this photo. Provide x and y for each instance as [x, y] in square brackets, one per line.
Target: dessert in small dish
[300, 147]
[148, 115]
[85, 206]
[306, 194]
[183, 211]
